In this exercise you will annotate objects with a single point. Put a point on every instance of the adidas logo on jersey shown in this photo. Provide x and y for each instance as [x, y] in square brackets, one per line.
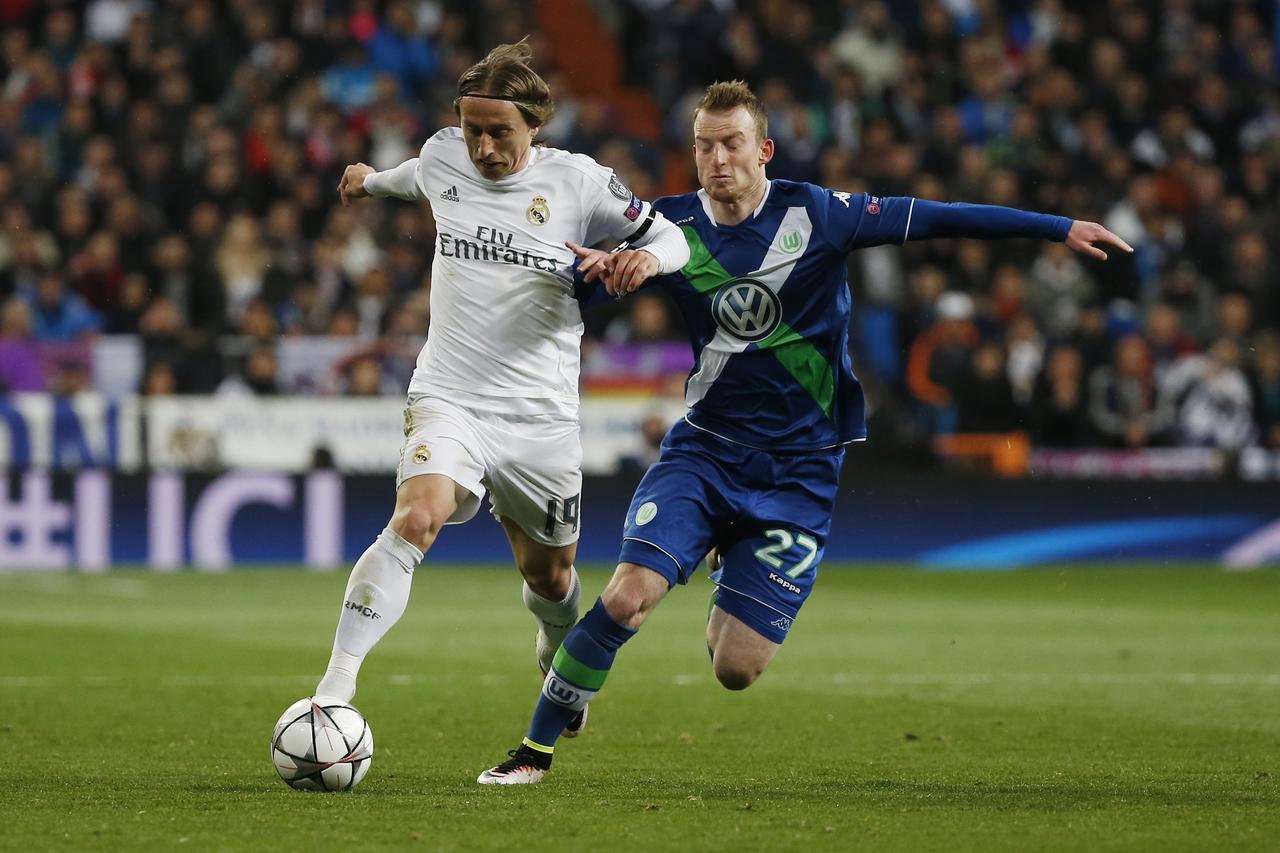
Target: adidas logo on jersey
[450, 194]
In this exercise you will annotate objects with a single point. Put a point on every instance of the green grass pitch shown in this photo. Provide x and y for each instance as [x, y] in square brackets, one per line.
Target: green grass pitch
[1055, 709]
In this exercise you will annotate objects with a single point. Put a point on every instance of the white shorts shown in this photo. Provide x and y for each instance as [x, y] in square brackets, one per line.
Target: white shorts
[531, 464]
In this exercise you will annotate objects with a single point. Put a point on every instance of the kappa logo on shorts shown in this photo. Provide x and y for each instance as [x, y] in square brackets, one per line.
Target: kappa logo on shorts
[421, 454]
[539, 213]
[646, 513]
[783, 622]
[784, 583]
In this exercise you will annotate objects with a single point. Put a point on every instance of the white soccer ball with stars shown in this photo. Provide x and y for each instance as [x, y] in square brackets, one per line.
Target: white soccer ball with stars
[321, 744]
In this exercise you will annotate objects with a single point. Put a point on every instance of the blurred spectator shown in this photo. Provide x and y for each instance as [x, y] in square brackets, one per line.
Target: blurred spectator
[652, 430]
[983, 395]
[258, 323]
[1192, 296]
[96, 273]
[1264, 381]
[166, 339]
[70, 377]
[1025, 350]
[1126, 405]
[159, 380]
[242, 262]
[58, 315]
[939, 360]
[1250, 274]
[397, 47]
[1235, 318]
[258, 377]
[1212, 397]
[372, 302]
[122, 318]
[871, 48]
[1165, 339]
[1058, 415]
[20, 362]
[648, 320]
[1058, 287]
[364, 378]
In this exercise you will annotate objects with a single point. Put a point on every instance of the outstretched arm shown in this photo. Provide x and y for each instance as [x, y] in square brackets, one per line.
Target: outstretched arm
[873, 220]
[360, 180]
[928, 219]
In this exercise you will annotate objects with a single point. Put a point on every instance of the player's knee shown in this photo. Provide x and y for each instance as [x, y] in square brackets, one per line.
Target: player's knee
[735, 673]
[417, 524]
[551, 583]
[626, 606]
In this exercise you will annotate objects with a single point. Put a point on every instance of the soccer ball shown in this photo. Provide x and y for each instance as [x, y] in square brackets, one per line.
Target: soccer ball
[321, 744]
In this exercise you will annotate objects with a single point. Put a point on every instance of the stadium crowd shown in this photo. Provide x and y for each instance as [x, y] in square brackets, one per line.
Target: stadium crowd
[168, 171]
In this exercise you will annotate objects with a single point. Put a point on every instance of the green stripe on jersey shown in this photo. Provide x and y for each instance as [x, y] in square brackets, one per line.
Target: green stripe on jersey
[805, 363]
[579, 674]
[703, 271]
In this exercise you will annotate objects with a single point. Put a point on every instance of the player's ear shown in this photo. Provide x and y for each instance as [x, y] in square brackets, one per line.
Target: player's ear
[766, 151]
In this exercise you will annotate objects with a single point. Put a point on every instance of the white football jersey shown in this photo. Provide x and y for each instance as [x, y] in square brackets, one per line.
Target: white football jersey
[505, 329]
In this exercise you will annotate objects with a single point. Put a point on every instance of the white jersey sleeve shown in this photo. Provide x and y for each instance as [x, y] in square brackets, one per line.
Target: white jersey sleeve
[615, 211]
[404, 181]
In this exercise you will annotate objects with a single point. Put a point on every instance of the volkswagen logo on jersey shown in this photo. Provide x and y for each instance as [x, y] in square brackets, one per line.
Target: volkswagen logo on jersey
[747, 309]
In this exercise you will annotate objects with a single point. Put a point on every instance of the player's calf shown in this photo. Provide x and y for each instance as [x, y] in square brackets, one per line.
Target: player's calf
[418, 524]
[736, 674]
[739, 653]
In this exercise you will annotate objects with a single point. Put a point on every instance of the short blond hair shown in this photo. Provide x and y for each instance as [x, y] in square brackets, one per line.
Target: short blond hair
[505, 75]
[724, 97]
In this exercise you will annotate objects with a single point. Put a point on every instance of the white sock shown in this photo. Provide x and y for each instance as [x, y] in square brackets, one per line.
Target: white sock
[375, 600]
[556, 618]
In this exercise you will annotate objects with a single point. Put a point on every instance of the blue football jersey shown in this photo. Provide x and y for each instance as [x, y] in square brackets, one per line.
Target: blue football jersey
[767, 306]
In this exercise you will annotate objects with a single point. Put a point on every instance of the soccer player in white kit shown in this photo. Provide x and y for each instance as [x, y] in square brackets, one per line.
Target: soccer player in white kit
[493, 402]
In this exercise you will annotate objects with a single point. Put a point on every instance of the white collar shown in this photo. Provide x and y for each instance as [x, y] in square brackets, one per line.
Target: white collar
[706, 205]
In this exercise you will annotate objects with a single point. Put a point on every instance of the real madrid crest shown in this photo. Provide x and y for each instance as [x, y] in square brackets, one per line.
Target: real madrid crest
[538, 213]
[421, 454]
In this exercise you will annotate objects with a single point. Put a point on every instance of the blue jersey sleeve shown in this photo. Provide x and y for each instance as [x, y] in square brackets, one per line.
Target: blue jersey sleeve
[858, 221]
[930, 219]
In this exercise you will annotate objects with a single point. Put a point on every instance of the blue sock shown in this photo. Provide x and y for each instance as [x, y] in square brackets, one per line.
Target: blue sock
[577, 674]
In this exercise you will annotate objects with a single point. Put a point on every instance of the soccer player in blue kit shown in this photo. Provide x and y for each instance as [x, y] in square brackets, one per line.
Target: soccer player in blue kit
[753, 467]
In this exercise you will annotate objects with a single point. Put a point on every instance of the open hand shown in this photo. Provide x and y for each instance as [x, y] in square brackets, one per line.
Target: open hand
[1083, 235]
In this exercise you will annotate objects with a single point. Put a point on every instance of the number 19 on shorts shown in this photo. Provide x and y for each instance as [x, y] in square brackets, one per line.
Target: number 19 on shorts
[562, 512]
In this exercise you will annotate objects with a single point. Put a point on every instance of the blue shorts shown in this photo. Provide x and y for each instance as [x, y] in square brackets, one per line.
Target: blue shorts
[769, 514]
